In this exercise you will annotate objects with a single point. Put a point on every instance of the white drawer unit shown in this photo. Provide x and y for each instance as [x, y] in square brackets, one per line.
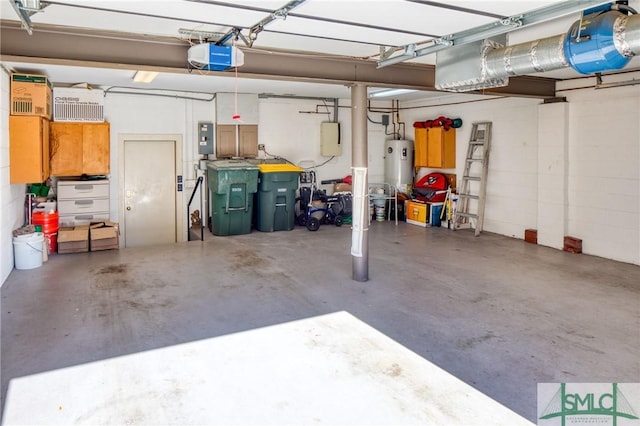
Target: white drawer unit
[83, 202]
[69, 221]
[72, 189]
[84, 205]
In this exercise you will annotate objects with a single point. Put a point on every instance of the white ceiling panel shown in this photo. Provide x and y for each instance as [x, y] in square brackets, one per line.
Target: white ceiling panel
[401, 15]
[120, 22]
[262, 4]
[176, 9]
[500, 7]
[271, 40]
[346, 32]
[318, 27]
[146, 16]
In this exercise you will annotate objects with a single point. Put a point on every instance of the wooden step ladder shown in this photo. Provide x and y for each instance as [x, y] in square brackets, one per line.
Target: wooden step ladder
[472, 194]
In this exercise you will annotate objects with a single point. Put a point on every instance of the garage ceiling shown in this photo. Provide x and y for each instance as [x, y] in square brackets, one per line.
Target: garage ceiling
[328, 32]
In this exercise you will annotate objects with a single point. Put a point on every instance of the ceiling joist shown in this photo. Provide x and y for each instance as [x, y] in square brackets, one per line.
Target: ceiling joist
[118, 50]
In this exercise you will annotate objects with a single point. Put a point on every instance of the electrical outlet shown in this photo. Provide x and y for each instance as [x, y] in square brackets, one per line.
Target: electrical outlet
[260, 147]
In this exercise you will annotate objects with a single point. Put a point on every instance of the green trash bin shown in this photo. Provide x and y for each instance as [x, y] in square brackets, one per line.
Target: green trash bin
[276, 197]
[232, 185]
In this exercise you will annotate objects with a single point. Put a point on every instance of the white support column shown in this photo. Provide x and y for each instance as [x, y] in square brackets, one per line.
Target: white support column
[359, 164]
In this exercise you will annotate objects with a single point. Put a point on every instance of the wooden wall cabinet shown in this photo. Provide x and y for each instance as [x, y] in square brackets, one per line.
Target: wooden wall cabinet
[28, 149]
[420, 148]
[248, 140]
[80, 148]
[247, 145]
[435, 148]
[441, 148]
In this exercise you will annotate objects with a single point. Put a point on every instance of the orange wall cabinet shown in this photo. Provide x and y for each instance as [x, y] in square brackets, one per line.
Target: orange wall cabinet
[420, 147]
[80, 148]
[28, 149]
[435, 148]
[441, 148]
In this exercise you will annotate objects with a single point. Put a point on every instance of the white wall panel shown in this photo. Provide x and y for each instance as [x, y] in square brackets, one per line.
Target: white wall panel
[604, 172]
[11, 196]
[553, 147]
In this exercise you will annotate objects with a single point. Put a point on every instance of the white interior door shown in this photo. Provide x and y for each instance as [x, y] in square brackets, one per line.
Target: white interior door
[149, 192]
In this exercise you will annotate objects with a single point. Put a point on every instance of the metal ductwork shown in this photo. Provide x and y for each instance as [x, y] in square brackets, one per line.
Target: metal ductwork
[600, 41]
[526, 58]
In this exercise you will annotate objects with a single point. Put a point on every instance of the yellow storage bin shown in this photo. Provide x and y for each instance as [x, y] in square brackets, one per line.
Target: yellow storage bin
[416, 213]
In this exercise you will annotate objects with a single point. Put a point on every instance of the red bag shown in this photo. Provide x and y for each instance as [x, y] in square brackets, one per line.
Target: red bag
[435, 181]
[431, 188]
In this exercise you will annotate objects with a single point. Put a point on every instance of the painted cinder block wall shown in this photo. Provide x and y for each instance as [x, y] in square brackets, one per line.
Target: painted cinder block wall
[604, 170]
[601, 162]
[512, 180]
[11, 196]
[565, 169]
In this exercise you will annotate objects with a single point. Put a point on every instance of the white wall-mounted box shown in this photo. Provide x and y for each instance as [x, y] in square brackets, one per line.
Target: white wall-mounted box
[330, 145]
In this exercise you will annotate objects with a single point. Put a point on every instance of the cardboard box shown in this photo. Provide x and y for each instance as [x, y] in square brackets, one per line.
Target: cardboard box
[30, 95]
[416, 213]
[78, 104]
[73, 240]
[452, 179]
[104, 236]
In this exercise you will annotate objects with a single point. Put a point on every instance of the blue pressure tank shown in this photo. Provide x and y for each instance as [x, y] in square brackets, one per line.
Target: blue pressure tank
[589, 46]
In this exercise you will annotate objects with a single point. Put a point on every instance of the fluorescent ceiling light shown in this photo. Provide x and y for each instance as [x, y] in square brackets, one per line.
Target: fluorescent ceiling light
[390, 92]
[145, 76]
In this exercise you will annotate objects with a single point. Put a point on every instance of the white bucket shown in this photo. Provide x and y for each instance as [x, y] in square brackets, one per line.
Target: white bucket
[27, 250]
[380, 213]
[318, 214]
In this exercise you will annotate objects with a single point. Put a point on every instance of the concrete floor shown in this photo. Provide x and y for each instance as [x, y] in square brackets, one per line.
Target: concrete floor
[498, 313]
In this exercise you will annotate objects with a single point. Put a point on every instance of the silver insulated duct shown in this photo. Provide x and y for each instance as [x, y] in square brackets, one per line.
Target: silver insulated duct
[542, 55]
[598, 42]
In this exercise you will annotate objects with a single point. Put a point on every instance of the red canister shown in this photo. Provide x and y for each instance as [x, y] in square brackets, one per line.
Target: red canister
[50, 224]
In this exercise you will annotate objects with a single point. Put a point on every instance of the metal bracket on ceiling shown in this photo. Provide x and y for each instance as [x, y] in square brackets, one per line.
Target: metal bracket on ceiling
[442, 41]
[202, 36]
[241, 36]
[409, 51]
[25, 9]
[386, 52]
[281, 13]
[512, 21]
[253, 33]
[233, 33]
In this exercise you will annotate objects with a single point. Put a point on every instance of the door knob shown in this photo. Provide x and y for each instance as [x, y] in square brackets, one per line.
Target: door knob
[128, 207]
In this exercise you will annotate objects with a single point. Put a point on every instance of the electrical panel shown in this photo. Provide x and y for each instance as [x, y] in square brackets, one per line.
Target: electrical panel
[330, 145]
[205, 137]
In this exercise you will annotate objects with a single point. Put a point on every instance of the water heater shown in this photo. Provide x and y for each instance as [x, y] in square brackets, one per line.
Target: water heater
[398, 163]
